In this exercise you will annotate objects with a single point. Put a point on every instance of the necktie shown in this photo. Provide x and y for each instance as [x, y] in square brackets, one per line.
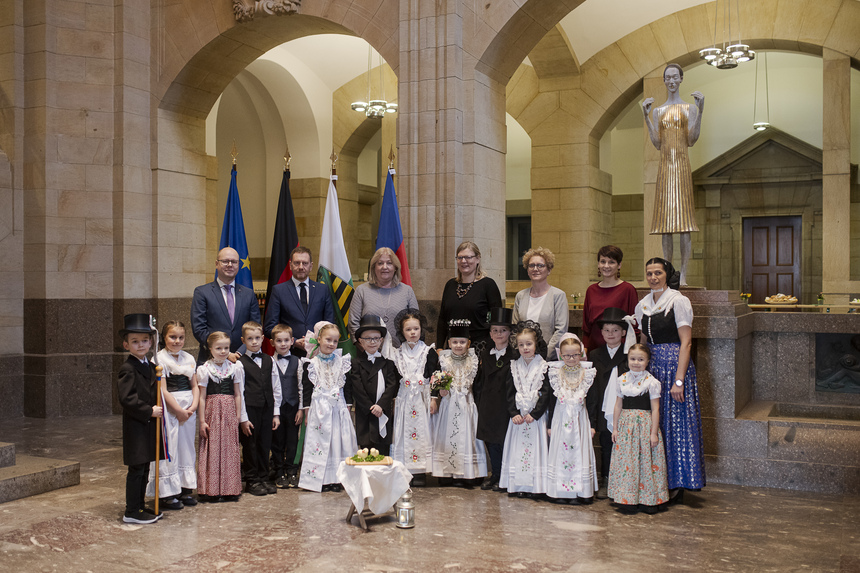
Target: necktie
[303, 295]
[231, 302]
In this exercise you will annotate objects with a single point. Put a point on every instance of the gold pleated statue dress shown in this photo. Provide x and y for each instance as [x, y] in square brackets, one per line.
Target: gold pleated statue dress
[673, 203]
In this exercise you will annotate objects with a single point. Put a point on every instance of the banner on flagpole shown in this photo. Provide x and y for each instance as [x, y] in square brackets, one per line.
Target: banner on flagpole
[390, 233]
[233, 234]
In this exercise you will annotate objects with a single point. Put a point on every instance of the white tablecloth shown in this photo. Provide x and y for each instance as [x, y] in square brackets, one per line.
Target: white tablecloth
[380, 486]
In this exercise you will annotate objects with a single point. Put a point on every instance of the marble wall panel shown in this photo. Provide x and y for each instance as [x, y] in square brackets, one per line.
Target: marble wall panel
[730, 438]
[795, 376]
[826, 443]
[11, 386]
[794, 475]
[764, 370]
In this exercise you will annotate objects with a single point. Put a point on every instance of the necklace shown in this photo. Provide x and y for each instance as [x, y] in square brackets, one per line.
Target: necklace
[387, 304]
[463, 291]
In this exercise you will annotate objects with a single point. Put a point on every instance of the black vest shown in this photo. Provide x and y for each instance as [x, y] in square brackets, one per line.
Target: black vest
[290, 381]
[258, 382]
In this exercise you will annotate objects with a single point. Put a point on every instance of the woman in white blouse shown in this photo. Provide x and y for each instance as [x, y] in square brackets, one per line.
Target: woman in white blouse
[542, 303]
[665, 318]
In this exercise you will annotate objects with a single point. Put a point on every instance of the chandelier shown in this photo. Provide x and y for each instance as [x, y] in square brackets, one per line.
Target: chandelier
[374, 108]
[727, 57]
[761, 122]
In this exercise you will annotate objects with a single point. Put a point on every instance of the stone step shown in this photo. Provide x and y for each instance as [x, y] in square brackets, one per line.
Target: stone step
[7, 454]
[32, 476]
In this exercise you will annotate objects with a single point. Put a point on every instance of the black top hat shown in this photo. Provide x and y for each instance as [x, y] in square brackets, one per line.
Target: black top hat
[137, 323]
[371, 322]
[501, 317]
[459, 328]
[612, 315]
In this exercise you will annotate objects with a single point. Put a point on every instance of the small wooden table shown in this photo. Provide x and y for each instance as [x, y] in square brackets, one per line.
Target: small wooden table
[374, 489]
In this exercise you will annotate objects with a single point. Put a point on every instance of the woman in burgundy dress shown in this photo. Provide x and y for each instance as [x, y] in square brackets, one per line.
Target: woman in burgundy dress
[611, 291]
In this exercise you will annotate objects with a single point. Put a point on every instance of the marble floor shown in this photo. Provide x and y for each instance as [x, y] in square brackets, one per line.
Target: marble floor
[723, 528]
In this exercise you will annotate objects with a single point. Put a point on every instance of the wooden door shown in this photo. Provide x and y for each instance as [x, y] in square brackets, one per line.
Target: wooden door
[772, 256]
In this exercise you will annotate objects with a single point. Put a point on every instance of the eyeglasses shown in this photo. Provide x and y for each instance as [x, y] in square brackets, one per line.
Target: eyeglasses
[570, 356]
[465, 258]
[228, 262]
[537, 266]
[373, 340]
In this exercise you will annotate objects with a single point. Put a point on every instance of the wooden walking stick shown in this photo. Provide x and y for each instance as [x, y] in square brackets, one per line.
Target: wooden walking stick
[158, 372]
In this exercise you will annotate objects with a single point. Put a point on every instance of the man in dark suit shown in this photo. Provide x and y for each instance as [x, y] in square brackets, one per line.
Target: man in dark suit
[299, 302]
[223, 305]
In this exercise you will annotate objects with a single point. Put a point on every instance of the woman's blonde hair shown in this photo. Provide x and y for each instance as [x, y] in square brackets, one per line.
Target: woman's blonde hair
[215, 337]
[545, 254]
[479, 273]
[380, 252]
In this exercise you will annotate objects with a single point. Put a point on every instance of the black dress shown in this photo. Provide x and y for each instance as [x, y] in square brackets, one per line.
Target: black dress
[475, 305]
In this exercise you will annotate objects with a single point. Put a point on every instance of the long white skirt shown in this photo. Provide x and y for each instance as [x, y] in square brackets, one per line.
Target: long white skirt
[456, 450]
[329, 440]
[412, 438]
[571, 470]
[180, 472]
[524, 457]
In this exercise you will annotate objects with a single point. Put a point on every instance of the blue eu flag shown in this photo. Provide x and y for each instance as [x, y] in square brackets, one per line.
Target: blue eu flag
[233, 233]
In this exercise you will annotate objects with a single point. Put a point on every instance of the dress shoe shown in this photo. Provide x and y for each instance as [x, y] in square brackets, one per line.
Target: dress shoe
[336, 487]
[170, 503]
[601, 490]
[487, 484]
[497, 487]
[257, 489]
[585, 500]
[270, 487]
[419, 480]
[188, 500]
[558, 500]
[649, 509]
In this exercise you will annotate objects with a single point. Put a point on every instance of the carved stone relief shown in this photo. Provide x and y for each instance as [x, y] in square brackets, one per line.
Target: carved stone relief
[246, 10]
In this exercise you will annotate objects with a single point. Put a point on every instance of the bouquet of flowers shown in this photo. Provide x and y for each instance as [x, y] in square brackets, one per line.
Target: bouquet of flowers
[367, 456]
[440, 381]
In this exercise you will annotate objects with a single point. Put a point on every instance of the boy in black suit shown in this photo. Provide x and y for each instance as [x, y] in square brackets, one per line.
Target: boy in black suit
[610, 357]
[374, 381]
[491, 392]
[285, 438]
[261, 407]
[137, 392]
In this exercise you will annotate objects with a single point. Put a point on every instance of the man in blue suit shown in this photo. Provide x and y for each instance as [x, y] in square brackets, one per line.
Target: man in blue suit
[299, 302]
[223, 305]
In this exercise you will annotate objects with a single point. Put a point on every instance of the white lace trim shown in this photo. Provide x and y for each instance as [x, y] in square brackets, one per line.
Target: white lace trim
[528, 380]
[181, 365]
[462, 371]
[328, 375]
[571, 386]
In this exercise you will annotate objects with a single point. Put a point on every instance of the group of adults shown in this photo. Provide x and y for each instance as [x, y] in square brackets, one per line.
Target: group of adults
[664, 317]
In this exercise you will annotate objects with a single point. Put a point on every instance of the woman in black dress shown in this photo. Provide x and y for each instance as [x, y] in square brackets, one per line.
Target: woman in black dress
[470, 295]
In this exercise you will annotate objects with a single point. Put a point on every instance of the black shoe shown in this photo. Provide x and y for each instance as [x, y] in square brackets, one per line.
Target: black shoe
[170, 503]
[140, 516]
[325, 488]
[676, 496]
[649, 509]
[522, 494]
[283, 482]
[461, 483]
[294, 480]
[575, 501]
[270, 487]
[585, 500]
[230, 498]
[419, 480]
[558, 500]
[188, 500]
[497, 487]
[487, 484]
[257, 489]
[336, 487]
[601, 490]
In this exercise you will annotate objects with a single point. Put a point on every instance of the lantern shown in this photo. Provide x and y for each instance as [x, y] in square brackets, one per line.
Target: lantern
[404, 510]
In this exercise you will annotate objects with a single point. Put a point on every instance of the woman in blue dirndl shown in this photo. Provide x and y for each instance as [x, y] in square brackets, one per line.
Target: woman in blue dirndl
[665, 318]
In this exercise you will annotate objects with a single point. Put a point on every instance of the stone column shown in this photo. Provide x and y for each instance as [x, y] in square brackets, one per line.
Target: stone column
[451, 137]
[653, 87]
[836, 168]
[12, 209]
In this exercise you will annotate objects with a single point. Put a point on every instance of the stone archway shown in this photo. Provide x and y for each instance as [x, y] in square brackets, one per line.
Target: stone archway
[201, 49]
[566, 121]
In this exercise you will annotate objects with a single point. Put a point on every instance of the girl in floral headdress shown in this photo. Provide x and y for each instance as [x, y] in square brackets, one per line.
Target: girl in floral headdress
[457, 452]
[416, 363]
[330, 435]
[525, 453]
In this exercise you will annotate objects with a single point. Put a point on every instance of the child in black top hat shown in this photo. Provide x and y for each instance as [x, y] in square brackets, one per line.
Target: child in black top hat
[491, 392]
[610, 361]
[374, 381]
[137, 392]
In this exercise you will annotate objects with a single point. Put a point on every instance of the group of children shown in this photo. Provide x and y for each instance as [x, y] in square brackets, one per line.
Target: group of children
[440, 413]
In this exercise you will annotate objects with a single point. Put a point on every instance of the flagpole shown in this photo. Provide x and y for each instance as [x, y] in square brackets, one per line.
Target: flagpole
[158, 372]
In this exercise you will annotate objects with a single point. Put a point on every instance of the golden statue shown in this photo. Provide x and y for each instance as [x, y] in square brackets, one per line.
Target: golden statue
[677, 127]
